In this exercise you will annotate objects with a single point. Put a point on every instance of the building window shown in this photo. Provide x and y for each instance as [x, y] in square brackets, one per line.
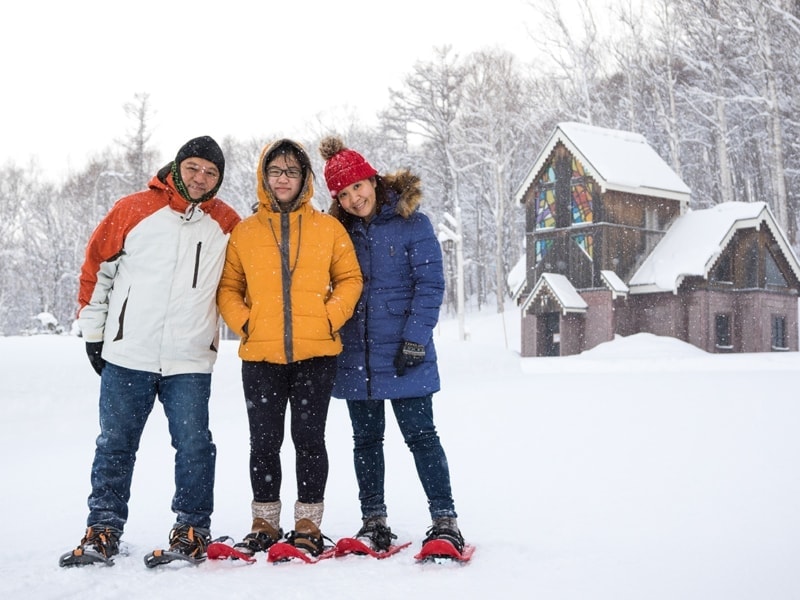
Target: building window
[585, 243]
[546, 200]
[722, 328]
[724, 270]
[542, 248]
[774, 276]
[581, 188]
[576, 188]
[779, 333]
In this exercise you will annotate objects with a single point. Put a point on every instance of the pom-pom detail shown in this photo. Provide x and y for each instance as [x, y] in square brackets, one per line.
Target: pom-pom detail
[330, 147]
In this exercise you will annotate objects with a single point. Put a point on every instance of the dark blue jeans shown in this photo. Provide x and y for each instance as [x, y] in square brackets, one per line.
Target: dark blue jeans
[415, 419]
[126, 400]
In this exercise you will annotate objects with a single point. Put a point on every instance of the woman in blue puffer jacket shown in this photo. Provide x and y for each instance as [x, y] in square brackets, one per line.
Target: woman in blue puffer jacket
[388, 351]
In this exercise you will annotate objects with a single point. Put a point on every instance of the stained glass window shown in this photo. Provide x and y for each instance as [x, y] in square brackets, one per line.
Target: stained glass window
[546, 200]
[581, 195]
[545, 209]
[585, 243]
[580, 203]
[542, 248]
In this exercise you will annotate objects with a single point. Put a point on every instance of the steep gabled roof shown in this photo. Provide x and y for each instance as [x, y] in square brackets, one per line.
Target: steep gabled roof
[616, 160]
[693, 243]
[561, 290]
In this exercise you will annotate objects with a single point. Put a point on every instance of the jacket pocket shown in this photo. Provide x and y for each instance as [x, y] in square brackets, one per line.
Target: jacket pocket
[398, 307]
[121, 318]
[196, 264]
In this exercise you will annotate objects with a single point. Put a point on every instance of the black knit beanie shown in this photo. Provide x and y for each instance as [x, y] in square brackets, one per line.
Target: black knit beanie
[199, 147]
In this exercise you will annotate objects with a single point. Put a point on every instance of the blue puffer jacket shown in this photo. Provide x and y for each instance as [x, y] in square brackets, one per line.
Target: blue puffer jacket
[401, 261]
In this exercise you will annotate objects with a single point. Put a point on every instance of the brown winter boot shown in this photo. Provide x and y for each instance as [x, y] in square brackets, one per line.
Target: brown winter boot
[265, 530]
[260, 538]
[306, 535]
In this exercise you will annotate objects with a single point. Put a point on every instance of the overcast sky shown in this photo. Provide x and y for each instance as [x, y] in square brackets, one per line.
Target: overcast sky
[240, 68]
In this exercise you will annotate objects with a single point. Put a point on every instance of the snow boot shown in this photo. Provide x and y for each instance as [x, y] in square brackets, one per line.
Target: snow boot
[265, 530]
[306, 535]
[103, 540]
[99, 544]
[376, 534]
[189, 541]
[445, 528]
[260, 538]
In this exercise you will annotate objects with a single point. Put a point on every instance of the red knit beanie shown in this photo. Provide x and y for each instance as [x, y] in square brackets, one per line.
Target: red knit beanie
[343, 166]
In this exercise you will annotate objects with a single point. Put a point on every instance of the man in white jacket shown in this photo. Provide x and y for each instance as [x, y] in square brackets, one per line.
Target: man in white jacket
[148, 314]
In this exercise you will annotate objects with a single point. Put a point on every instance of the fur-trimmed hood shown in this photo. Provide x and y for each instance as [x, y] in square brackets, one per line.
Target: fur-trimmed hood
[409, 191]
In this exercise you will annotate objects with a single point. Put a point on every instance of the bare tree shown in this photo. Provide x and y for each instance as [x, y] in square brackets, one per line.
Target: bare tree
[665, 71]
[141, 159]
[576, 55]
[15, 187]
[426, 109]
[706, 51]
[763, 20]
[495, 131]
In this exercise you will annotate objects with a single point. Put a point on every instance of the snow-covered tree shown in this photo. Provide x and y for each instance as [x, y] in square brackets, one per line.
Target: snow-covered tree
[142, 160]
[424, 112]
[494, 133]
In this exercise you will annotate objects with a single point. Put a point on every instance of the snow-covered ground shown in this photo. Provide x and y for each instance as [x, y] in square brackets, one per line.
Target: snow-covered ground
[642, 469]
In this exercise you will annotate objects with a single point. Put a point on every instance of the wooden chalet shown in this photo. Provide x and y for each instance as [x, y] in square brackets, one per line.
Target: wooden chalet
[612, 248]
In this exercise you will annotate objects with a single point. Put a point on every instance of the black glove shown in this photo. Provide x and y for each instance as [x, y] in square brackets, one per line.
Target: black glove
[95, 351]
[410, 355]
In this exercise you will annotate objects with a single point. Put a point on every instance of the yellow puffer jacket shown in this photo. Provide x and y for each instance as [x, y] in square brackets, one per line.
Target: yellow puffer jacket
[292, 299]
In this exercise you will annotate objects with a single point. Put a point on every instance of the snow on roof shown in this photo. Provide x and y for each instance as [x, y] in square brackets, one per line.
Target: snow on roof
[614, 283]
[565, 294]
[617, 160]
[516, 277]
[696, 239]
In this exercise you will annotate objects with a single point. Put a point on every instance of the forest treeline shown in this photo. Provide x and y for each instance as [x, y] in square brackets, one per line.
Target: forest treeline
[713, 85]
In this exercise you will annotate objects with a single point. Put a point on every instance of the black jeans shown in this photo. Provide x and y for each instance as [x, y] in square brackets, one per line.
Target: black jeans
[305, 386]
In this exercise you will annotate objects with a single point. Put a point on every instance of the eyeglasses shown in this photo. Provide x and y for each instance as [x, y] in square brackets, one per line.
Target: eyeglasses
[194, 169]
[291, 172]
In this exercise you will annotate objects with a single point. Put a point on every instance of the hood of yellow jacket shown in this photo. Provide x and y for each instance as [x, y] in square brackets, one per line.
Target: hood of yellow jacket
[265, 197]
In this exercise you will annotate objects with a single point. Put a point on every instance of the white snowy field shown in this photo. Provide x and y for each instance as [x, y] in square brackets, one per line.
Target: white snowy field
[642, 469]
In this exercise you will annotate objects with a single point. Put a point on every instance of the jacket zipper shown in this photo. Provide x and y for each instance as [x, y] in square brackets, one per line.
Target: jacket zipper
[366, 353]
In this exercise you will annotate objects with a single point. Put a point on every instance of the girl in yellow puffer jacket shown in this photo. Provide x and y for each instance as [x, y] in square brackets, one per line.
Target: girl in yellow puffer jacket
[290, 282]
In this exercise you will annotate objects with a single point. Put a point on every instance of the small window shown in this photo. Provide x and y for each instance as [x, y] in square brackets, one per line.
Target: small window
[774, 276]
[722, 327]
[779, 333]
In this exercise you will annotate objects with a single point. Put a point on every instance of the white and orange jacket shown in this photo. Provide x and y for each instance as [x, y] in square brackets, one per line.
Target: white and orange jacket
[149, 280]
